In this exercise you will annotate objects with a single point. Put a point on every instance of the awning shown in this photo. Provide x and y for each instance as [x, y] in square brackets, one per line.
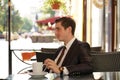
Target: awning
[51, 20]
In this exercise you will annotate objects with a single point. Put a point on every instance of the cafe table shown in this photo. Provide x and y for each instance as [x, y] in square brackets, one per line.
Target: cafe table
[51, 76]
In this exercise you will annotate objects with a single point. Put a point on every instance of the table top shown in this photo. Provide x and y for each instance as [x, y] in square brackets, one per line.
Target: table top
[48, 77]
[51, 76]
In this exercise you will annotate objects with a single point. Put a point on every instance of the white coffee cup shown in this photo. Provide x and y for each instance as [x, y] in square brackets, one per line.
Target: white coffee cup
[37, 68]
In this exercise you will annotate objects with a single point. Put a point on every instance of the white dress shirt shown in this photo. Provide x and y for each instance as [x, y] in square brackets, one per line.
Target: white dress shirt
[68, 45]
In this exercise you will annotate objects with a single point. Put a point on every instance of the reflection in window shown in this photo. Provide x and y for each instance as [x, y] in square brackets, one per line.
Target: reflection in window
[100, 23]
[94, 22]
[118, 25]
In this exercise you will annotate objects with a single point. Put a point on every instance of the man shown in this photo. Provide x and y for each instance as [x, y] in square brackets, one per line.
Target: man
[76, 56]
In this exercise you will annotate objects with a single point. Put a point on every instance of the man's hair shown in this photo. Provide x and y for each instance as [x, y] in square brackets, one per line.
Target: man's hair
[67, 22]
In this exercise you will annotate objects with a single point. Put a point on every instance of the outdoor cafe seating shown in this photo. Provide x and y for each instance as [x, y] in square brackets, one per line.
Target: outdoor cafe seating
[105, 65]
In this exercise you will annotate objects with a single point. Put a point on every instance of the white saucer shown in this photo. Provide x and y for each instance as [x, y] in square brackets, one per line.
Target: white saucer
[42, 75]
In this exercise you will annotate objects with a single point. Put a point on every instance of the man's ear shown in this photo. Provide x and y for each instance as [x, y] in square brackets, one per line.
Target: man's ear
[70, 29]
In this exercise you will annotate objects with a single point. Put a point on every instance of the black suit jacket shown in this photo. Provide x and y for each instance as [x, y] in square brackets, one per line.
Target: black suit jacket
[78, 58]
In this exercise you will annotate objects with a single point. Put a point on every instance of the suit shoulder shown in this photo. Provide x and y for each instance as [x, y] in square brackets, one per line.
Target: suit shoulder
[84, 45]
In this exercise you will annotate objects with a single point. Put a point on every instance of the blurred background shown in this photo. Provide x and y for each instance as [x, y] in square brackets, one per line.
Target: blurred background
[32, 26]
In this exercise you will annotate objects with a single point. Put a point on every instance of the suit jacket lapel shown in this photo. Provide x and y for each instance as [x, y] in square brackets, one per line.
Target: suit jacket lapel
[67, 59]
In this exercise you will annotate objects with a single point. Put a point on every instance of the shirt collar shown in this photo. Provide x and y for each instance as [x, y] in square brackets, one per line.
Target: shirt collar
[70, 43]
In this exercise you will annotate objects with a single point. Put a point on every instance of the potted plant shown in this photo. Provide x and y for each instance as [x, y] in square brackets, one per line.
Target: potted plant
[56, 4]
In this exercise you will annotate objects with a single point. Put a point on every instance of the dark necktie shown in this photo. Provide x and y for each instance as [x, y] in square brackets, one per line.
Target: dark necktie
[61, 55]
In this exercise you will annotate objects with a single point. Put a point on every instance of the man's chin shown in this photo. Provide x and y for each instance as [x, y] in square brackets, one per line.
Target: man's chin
[60, 39]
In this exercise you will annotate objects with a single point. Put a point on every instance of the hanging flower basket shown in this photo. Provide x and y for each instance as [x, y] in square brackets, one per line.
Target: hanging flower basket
[56, 5]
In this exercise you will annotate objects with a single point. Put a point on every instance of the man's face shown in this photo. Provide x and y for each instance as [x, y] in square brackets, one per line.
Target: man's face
[60, 32]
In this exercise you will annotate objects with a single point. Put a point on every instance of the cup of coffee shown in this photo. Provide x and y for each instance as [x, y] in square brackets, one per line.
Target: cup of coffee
[37, 68]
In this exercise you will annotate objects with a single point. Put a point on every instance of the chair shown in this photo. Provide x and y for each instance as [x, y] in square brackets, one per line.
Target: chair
[48, 49]
[27, 55]
[95, 50]
[41, 56]
[98, 48]
[106, 61]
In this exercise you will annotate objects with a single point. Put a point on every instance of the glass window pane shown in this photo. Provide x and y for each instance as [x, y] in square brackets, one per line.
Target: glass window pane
[118, 25]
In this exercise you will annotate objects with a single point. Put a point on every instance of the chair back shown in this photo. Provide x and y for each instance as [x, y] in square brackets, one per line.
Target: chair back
[106, 61]
[97, 48]
[41, 56]
[26, 56]
[48, 49]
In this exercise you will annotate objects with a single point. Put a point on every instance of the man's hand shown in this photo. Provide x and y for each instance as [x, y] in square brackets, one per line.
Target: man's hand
[50, 64]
